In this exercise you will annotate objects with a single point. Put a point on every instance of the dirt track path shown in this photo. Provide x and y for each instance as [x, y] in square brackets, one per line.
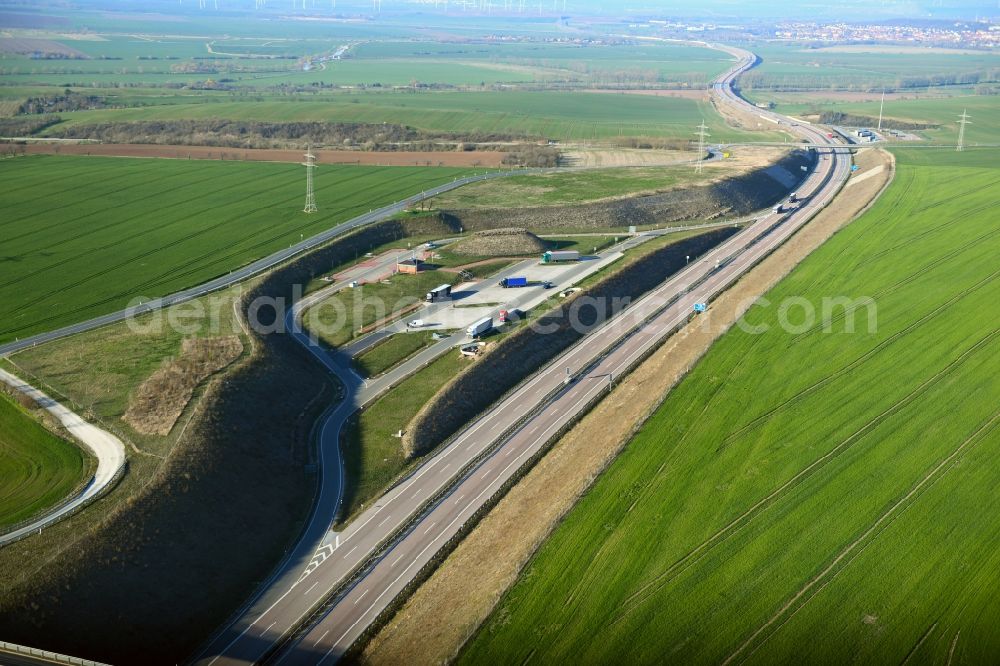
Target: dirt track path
[486, 159]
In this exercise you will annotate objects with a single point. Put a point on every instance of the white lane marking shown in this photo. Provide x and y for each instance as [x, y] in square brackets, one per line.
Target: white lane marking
[459, 499]
[321, 638]
[310, 588]
[430, 527]
[397, 560]
[350, 551]
[383, 522]
[361, 597]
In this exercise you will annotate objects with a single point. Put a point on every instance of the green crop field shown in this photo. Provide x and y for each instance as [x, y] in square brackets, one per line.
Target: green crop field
[85, 235]
[792, 67]
[555, 115]
[266, 62]
[804, 495]
[38, 469]
[646, 63]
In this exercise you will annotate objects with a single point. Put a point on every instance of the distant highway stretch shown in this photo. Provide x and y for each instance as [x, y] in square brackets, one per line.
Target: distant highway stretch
[386, 547]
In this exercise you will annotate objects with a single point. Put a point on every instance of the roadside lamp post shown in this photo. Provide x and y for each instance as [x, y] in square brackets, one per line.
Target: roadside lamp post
[687, 259]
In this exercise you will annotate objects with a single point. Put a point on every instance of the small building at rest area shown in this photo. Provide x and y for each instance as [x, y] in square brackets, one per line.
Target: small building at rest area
[410, 266]
[552, 256]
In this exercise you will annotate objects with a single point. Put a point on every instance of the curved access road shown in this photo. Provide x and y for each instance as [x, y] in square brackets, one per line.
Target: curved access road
[108, 449]
[405, 530]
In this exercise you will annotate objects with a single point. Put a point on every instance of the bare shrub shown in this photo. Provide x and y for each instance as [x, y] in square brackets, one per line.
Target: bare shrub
[158, 402]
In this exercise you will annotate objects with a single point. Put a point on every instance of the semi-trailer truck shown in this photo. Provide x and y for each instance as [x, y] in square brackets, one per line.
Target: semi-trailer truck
[553, 256]
[509, 282]
[439, 293]
[479, 327]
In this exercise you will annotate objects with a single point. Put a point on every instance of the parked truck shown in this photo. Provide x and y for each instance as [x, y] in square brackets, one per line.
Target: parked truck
[553, 256]
[509, 282]
[439, 293]
[479, 327]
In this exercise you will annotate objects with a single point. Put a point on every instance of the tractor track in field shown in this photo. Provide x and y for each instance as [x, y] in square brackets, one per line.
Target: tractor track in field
[647, 487]
[733, 527]
[847, 555]
[933, 230]
[889, 289]
[756, 421]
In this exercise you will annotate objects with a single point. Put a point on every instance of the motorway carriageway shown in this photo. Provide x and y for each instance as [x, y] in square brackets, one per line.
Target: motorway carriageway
[239, 641]
[482, 458]
[356, 609]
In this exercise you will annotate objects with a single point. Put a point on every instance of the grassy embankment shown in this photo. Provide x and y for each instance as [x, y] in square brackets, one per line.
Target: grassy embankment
[373, 457]
[88, 234]
[38, 468]
[575, 187]
[806, 495]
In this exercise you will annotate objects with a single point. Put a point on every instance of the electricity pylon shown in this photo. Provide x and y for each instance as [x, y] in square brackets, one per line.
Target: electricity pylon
[309, 164]
[702, 134]
[963, 120]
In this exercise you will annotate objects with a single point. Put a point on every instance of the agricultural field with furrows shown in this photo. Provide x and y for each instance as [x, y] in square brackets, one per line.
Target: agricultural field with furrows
[793, 67]
[85, 235]
[807, 495]
[38, 468]
[553, 115]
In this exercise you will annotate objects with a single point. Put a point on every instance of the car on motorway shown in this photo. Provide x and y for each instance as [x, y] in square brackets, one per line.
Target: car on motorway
[415, 323]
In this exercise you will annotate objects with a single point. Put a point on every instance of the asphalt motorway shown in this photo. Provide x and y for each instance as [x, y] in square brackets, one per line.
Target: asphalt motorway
[488, 456]
[329, 638]
[274, 608]
[388, 546]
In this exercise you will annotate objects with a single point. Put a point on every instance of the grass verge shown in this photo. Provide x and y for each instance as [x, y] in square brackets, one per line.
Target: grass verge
[391, 352]
[373, 456]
